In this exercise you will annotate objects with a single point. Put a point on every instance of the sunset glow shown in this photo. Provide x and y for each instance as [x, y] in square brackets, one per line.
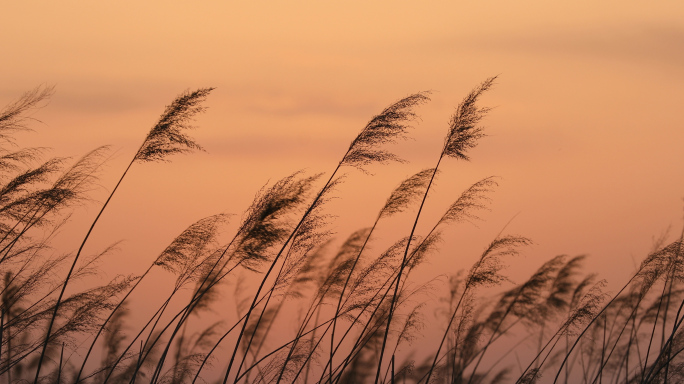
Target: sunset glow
[584, 136]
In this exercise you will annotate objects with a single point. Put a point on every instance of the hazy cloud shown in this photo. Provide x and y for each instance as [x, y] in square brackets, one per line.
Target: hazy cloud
[655, 43]
[277, 104]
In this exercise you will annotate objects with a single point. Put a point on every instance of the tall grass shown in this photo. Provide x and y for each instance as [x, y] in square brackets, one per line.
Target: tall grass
[305, 311]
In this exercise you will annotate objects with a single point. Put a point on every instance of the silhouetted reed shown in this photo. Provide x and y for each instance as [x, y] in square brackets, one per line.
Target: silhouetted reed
[306, 311]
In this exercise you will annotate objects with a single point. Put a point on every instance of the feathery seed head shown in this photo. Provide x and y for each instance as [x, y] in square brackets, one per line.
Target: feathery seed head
[387, 127]
[563, 287]
[463, 128]
[12, 117]
[267, 221]
[470, 200]
[486, 272]
[407, 192]
[167, 136]
[340, 265]
[185, 250]
[586, 305]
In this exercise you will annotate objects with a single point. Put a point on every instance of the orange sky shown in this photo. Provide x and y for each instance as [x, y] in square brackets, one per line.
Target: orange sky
[587, 131]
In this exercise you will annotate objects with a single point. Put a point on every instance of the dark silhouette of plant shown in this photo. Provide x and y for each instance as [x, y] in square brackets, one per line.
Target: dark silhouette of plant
[384, 128]
[307, 311]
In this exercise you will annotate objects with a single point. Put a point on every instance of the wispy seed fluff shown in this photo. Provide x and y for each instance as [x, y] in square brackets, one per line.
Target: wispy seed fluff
[167, 136]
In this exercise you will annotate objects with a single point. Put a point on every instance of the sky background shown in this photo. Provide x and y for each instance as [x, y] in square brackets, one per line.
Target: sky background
[586, 132]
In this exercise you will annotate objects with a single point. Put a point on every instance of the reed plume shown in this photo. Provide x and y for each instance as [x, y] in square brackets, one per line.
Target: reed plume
[167, 137]
[14, 116]
[387, 127]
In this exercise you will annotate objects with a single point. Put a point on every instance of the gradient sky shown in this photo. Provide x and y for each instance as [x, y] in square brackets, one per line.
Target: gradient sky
[586, 133]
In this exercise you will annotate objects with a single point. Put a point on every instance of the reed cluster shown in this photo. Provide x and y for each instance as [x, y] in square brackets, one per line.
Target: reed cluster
[359, 312]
